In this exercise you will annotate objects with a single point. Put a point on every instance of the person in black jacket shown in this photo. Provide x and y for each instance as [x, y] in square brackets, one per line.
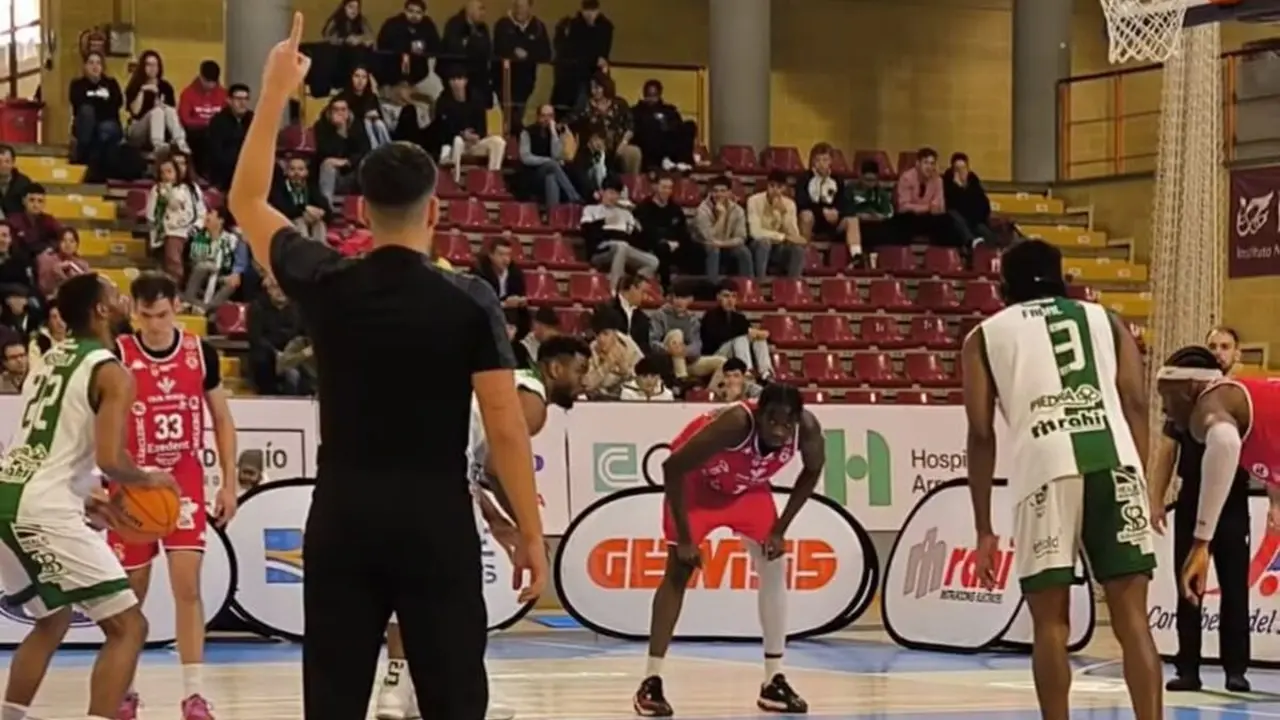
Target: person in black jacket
[340, 145]
[665, 139]
[366, 108]
[667, 231]
[96, 101]
[584, 43]
[153, 107]
[467, 41]
[520, 38]
[15, 261]
[728, 333]
[226, 135]
[461, 128]
[273, 322]
[298, 198]
[627, 298]
[348, 42]
[967, 202]
[495, 267]
[414, 37]
[13, 184]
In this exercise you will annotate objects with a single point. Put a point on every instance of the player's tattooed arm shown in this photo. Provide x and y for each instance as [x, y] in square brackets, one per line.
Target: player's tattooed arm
[813, 458]
[979, 407]
[111, 391]
[729, 429]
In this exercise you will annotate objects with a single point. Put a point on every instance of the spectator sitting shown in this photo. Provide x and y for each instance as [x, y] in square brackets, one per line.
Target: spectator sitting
[720, 224]
[584, 43]
[362, 99]
[18, 313]
[608, 115]
[42, 341]
[590, 166]
[521, 39]
[467, 41]
[198, 104]
[351, 37]
[647, 386]
[922, 208]
[967, 202]
[542, 154]
[96, 101]
[226, 136]
[338, 150]
[869, 206]
[546, 324]
[515, 318]
[461, 127]
[407, 118]
[628, 296]
[15, 265]
[774, 229]
[735, 385]
[273, 323]
[727, 330]
[299, 199]
[218, 259]
[173, 211]
[33, 228]
[14, 372]
[13, 184]
[507, 280]
[613, 238]
[56, 264]
[818, 195]
[613, 356]
[677, 331]
[415, 38]
[153, 107]
[666, 230]
[665, 139]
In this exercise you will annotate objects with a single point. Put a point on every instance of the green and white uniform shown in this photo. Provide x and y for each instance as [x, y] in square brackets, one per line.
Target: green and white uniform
[1075, 474]
[49, 557]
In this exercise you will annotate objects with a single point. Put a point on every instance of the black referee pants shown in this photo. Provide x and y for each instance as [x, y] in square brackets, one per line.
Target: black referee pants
[369, 556]
[1230, 551]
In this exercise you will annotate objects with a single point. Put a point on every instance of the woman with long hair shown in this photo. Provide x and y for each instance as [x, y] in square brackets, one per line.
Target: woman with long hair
[609, 115]
[350, 37]
[339, 149]
[153, 106]
[362, 98]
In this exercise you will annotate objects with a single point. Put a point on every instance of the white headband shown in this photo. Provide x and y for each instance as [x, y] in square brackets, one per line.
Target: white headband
[1181, 373]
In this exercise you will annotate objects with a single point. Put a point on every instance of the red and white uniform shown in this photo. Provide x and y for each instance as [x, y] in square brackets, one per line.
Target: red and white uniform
[733, 488]
[167, 433]
[1260, 452]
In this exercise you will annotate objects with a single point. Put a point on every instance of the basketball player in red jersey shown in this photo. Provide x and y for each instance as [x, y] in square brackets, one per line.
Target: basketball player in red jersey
[177, 378]
[718, 475]
[1238, 420]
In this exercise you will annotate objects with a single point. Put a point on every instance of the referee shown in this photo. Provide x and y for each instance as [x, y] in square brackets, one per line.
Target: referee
[1229, 547]
[400, 347]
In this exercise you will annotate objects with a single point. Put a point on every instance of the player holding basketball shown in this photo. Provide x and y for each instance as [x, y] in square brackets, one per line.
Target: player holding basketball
[1238, 420]
[718, 475]
[177, 377]
[1068, 379]
[562, 361]
[76, 411]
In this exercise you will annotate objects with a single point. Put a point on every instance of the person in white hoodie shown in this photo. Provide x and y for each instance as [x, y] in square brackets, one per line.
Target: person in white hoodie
[647, 385]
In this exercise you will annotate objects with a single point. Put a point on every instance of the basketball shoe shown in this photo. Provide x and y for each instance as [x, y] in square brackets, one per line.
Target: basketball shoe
[396, 698]
[650, 700]
[778, 696]
[129, 707]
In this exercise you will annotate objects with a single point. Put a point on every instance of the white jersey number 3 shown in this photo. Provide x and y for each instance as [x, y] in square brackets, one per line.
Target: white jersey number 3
[169, 426]
[1070, 351]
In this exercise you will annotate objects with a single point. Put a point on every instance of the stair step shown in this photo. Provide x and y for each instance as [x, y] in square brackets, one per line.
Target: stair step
[1026, 203]
[79, 207]
[1126, 304]
[50, 170]
[1104, 269]
[1066, 236]
[113, 244]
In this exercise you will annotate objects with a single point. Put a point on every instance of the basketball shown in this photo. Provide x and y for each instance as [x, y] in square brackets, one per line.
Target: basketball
[149, 513]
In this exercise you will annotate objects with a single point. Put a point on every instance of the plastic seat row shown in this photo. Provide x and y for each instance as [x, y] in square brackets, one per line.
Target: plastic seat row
[743, 159]
[834, 331]
[873, 369]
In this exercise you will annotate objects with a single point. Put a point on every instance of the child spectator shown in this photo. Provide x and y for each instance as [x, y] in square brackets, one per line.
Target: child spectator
[613, 355]
[172, 212]
[647, 386]
[218, 260]
[62, 261]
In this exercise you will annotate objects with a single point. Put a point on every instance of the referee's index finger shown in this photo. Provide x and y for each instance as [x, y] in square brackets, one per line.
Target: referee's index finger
[295, 34]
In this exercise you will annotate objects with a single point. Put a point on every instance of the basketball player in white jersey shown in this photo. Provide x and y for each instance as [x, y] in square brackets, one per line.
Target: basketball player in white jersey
[1067, 377]
[75, 411]
[562, 361]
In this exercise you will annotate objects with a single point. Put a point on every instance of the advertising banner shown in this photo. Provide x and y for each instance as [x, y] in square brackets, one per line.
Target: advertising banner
[552, 471]
[266, 539]
[284, 430]
[1264, 602]
[613, 556]
[1254, 218]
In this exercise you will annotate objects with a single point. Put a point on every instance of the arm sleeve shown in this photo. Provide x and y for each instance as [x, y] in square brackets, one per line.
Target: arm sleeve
[298, 263]
[212, 366]
[1217, 473]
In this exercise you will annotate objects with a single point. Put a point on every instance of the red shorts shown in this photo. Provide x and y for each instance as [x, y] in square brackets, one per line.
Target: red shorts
[193, 520]
[751, 514]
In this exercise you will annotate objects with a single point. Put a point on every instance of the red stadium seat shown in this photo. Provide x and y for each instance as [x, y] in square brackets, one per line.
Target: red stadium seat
[911, 397]
[785, 332]
[782, 371]
[448, 188]
[543, 288]
[792, 294]
[862, 397]
[231, 319]
[296, 139]
[487, 184]
[749, 295]
[938, 296]
[927, 370]
[637, 187]
[876, 369]
[982, 296]
[841, 294]
[739, 158]
[879, 331]
[574, 320]
[838, 259]
[967, 324]
[891, 295]
[906, 160]
[832, 330]
[815, 263]
[786, 159]
[986, 260]
[930, 331]
[896, 260]
[686, 193]
[135, 202]
[815, 397]
[555, 252]
[955, 397]
[565, 218]
[521, 217]
[213, 198]
[840, 164]
[824, 369]
[943, 261]
[512, 154]
[470, 215]
[589, 288]
[455, 247]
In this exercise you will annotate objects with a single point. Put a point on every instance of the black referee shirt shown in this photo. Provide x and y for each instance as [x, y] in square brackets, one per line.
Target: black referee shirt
[1190, 456]
[396, 342]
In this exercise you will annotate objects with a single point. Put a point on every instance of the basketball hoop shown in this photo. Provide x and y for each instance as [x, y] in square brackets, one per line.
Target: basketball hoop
[1148, 30]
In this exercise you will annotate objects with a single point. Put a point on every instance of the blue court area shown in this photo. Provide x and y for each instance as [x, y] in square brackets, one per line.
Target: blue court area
[572, 675]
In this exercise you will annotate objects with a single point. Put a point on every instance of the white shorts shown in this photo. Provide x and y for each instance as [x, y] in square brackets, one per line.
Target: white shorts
[46, 566]
[1104, 517]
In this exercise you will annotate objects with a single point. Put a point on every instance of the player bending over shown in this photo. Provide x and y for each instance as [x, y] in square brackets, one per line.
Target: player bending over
[1238, 420]
[1068, 379]
[562, 361]
[177, 376]
[718, 475]
[76, 409]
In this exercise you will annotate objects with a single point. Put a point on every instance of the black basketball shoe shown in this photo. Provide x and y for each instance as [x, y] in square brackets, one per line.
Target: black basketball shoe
[778, 696]
[650, 701]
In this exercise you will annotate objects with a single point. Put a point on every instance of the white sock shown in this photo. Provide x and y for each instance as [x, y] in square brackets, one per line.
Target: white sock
[653, 666]
[191, 680]
[397, 673]
[11, 711]
[771, 600]
[772, 666]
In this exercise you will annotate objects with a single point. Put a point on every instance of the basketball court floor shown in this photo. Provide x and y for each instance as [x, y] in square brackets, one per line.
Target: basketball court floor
[574, 675]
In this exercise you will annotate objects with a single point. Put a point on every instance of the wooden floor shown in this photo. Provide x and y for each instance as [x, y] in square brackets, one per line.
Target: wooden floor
[572, 675]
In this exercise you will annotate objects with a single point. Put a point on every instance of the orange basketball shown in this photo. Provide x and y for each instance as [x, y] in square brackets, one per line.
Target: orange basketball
[148, 513]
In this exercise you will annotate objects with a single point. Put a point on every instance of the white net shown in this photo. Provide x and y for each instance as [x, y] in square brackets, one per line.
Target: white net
[1145, 30]
[1187, 233]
